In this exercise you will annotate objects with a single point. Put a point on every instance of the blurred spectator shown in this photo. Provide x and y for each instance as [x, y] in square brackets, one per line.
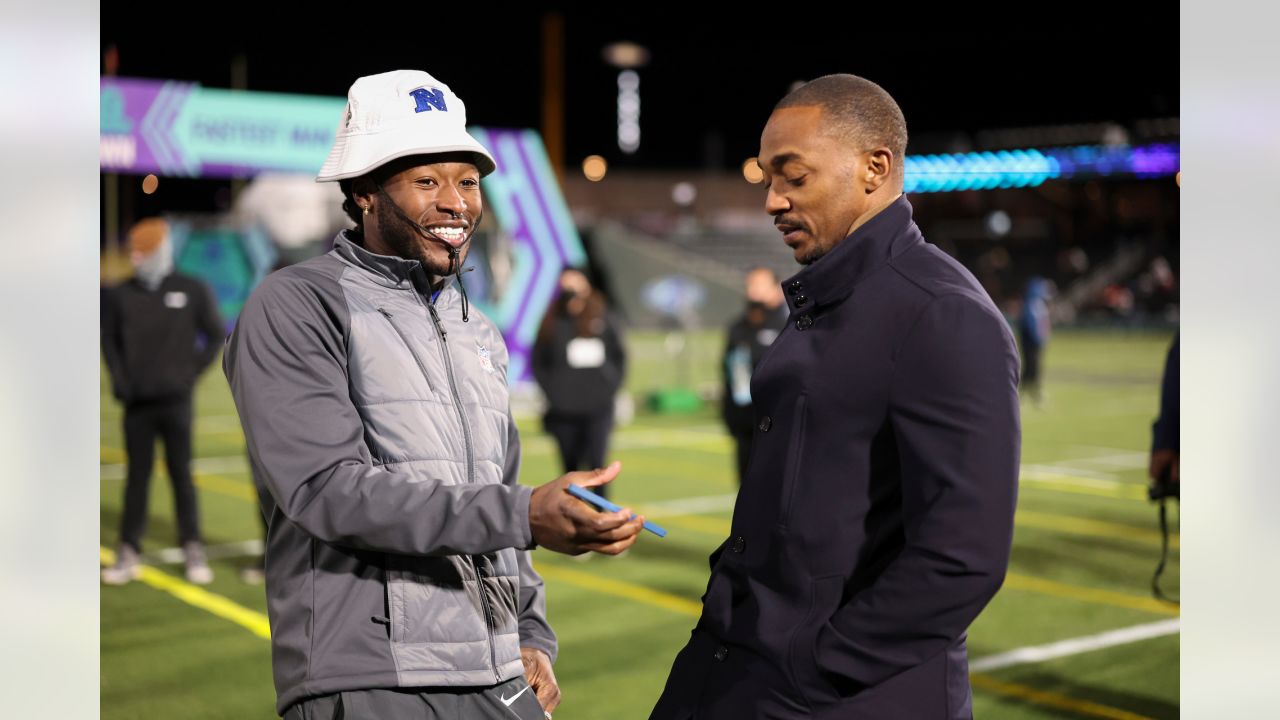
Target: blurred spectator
[1163, 467]
[1033, 334]
[749, 336]
[1073, 263]
[1118, 299]
[160, 330]
[579, 361]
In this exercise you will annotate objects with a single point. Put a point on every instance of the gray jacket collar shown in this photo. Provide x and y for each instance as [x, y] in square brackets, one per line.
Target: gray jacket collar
[388, 270]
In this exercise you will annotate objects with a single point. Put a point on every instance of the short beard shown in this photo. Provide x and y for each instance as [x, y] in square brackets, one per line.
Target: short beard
[812, 256]
[409, 243]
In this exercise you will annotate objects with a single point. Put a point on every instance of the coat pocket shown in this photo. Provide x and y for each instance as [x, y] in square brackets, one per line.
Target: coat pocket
[428, 601]
[795, 461]
[806, 673]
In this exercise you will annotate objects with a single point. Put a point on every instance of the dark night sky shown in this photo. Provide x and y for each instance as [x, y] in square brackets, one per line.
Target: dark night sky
[706, 78]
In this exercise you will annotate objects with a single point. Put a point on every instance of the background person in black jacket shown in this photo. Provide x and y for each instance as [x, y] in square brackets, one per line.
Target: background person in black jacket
[579, 362]
[1165, 437]
[749, 336]
[160, 330]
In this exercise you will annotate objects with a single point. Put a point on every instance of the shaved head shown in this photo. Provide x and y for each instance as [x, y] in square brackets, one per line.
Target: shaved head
[855, 110]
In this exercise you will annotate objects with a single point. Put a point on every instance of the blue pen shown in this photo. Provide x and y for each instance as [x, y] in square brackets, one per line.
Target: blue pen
[584, 494]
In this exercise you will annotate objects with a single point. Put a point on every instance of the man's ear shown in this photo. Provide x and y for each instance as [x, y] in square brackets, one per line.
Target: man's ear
[362, 190]
[879, 168]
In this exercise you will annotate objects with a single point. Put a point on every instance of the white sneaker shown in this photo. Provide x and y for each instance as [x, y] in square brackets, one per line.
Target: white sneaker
[198, 571]
[128, 567]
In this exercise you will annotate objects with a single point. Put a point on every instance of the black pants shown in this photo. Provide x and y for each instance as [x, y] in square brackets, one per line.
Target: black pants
[171, 422]
[1031, 363]
[511, 700]
[582, 439]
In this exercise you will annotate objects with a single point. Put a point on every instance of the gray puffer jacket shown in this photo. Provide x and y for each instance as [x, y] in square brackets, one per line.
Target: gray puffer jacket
[382, 444]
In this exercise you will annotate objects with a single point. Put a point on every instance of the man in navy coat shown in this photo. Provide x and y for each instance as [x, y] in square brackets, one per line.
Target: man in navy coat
[876, 516]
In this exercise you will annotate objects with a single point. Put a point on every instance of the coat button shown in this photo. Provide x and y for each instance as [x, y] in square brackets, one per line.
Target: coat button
[721, 653]
[795, 287]
[739, 544]
[766, 422]
[804, 322]
[802, 300]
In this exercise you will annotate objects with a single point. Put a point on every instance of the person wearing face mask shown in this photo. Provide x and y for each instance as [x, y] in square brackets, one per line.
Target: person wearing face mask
[579, 361]
[749, 337]
[160, 330]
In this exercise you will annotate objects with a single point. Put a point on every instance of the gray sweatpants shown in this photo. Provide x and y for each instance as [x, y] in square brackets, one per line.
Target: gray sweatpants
[512, 700]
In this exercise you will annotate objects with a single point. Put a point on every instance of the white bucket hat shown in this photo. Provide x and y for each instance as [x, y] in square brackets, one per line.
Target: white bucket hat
[395, 114]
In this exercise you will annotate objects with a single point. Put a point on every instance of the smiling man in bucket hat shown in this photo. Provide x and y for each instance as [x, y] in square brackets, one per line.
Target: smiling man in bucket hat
[374, 405]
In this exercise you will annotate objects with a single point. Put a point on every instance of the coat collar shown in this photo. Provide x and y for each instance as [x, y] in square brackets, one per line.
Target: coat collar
[389, 270]
[833, 277]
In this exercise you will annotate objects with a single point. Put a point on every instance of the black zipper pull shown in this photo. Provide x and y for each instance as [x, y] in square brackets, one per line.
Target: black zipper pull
[381, 620]
[435, 317]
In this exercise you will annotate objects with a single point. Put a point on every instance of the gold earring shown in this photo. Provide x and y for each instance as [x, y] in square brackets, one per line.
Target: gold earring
[366, 209]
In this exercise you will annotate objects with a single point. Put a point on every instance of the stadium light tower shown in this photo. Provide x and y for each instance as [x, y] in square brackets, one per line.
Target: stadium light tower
[628, 57]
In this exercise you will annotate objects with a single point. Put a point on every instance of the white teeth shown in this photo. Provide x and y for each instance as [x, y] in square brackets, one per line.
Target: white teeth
[448, 232]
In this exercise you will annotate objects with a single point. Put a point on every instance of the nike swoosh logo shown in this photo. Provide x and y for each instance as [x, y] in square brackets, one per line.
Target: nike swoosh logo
[507, 702]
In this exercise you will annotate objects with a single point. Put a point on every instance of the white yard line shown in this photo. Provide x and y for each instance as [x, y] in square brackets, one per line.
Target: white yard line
[1116, 458]
[1072, 470]
[217, 424]
[214, 465]
[1076, 646]
[692, 505]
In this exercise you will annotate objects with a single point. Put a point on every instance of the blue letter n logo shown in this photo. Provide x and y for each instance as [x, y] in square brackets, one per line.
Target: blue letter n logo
[428, 99]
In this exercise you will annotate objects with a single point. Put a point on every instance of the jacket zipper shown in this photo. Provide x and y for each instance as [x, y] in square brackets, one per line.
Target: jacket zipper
[471, 477]
[453, 388]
